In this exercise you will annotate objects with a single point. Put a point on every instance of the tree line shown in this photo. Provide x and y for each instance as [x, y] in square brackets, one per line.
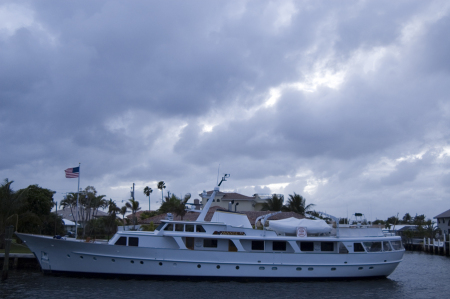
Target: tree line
[295, 203]
[28, 210]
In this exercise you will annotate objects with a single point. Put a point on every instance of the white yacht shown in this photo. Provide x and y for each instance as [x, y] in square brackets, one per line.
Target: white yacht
[228, 247]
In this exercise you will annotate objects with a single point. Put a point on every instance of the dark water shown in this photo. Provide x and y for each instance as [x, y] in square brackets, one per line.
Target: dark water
[418, 276]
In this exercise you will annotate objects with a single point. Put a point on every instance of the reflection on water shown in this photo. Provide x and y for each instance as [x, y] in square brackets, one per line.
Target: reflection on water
[418, 276]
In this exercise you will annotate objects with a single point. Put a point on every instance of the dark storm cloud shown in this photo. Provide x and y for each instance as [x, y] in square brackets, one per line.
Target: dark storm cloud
[130, 88]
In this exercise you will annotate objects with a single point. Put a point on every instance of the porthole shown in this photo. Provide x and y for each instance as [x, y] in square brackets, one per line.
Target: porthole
[385, 261]
[132, 262]
[199, 266]
[160, 263]
[142, 262]
[310, 269]
[274, 268]
[113, 260]
[345, 262]
[81, 257]
[218, 266]
[262, 268]
[174, 264]
[237, 267]
[94, 258]
[333, 269]
[68, 255]
[360, 268]
[370, 268]
[299, 269]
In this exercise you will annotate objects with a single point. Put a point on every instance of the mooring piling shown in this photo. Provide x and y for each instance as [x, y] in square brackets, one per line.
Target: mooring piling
[8, 236]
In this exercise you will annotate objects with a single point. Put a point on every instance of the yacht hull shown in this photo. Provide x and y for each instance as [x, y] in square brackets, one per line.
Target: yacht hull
[64, 256]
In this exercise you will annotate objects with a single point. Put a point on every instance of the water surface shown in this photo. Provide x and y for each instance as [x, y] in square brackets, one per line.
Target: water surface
[419, 276]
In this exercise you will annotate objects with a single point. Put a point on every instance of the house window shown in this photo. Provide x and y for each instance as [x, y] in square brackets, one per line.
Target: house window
[257, 245]
[133, 241]
[278, 246]
[122, 241]
[210, 243]
[307, 246]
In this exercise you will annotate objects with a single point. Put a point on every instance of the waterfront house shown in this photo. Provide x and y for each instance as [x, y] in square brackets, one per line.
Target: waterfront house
[443, 222]
[239, 202]
[69, 226]
[69, 214]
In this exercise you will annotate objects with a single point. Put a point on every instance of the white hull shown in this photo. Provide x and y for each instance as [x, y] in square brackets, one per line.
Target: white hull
[71, 256]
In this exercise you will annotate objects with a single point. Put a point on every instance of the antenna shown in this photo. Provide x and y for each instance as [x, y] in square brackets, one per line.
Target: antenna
[224, 178]
[218, 169]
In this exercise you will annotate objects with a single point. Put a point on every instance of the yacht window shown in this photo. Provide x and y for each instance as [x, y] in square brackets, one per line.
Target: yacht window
[189, 228]
[169, 227]
[257, 245]
[133, 241]
[122, 241]
[342, 248]
[387, 246]
[307, 246]
[372, 246]
[327, 246]
[190, 243]
[179, 227]
[211, 243]
[278, 246]
[397, 245]
[357, 247]
[199, 229]
[160, 226]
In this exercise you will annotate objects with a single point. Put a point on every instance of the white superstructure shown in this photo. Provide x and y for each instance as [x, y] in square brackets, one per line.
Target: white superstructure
[227, 247]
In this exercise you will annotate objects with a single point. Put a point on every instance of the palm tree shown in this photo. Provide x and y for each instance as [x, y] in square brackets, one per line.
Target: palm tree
[70, 200]
[147, 192]
[297, 203]
[10, 203]
[134, 206]
[112, 210]
[161, 186]
[122, 211]
[407, 218]
[174, 205]
[273, 204]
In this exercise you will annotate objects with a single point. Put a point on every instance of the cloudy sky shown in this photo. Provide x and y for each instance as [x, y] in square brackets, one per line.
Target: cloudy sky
[344, 102]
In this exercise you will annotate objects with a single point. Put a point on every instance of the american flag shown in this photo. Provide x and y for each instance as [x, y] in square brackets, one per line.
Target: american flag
[72, 172]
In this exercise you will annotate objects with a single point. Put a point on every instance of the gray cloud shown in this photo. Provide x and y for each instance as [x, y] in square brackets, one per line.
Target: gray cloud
[141, 92]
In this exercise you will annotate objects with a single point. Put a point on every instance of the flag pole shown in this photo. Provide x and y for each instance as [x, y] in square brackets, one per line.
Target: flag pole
[78, 195]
